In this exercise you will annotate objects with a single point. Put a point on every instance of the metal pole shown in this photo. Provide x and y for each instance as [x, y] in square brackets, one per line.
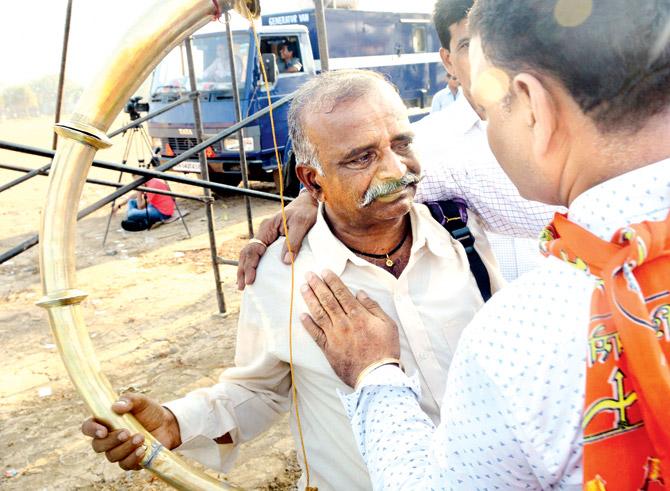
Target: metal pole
[321, 33]
[61, 78]
[21, 179]
[124, 161]
[238, 115]
[43, 171]
[147, 174]
[204, 171]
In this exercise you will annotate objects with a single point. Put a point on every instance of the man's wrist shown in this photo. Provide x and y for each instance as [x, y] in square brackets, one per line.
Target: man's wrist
[172, 426]
[373, 366]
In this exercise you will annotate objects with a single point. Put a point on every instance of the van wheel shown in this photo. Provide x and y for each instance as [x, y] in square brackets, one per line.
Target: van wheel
[228, 179]
[291, 181]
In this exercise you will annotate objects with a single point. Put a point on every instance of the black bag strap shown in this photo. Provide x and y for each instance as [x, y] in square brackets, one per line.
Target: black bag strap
[448, 214]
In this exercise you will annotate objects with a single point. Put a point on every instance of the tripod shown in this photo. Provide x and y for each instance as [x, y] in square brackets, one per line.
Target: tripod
[137, 135]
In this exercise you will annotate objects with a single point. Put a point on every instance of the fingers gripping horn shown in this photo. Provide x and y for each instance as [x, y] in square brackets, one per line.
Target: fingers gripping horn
[167, 23]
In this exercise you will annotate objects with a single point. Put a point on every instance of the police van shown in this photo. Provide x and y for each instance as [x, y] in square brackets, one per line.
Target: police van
[404, 47]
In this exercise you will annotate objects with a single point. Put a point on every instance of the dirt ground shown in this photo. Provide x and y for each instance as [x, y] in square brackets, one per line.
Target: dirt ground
[153, 318]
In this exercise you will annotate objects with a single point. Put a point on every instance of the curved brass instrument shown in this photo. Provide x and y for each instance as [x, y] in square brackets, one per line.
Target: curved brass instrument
[167, 24]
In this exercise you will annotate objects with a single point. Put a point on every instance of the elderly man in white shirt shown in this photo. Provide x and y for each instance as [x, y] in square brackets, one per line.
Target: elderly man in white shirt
[457, 163]
[575, 121]
[353, 140]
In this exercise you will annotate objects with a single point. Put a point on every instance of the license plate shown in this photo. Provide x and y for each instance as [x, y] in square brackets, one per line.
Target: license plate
[187, 166]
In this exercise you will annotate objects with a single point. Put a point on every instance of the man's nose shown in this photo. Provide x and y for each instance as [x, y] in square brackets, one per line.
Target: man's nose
[392, 166]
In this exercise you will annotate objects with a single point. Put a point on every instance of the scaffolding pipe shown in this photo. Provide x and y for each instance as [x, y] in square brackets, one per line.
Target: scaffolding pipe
[34, 240]
[321, 34]
[101, 182]
[228, 262]
[238, 117]
[133, 124]
[61, 77]
[148, 173]
[29, 175]
[204, 173]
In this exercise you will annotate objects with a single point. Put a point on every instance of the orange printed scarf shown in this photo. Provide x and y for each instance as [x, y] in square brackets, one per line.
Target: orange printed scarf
[626, 420]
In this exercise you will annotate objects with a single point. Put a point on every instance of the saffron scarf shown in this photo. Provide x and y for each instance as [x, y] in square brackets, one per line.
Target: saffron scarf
[626, 419]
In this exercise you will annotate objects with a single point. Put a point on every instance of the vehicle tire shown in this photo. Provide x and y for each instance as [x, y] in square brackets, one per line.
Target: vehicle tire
[222, 178]
[291, 181]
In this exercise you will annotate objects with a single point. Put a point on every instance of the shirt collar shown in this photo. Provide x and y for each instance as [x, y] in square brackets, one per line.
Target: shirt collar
[330, 253]
[465, 116]
[629, 198]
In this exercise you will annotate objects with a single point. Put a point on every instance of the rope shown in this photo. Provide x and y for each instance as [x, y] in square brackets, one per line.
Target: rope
[294, 390]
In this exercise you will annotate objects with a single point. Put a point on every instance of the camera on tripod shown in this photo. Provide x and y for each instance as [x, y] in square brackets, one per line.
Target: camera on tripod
[134, 107]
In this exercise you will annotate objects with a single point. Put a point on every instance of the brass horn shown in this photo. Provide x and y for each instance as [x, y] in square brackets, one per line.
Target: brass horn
[167, 24]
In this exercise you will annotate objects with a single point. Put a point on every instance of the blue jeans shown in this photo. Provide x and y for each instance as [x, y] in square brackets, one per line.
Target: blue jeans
[136, 215]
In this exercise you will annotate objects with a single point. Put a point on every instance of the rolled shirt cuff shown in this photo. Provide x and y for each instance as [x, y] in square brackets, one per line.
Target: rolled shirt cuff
[196, 423]
[385, 375]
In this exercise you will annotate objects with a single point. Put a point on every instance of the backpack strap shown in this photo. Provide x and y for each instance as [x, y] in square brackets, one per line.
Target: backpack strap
[453, 216]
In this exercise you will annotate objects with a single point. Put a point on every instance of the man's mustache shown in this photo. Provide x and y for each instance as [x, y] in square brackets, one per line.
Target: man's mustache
[388, 187]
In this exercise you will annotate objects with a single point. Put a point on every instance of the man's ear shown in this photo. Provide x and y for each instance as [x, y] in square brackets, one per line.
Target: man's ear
[538, 108]
[310, 178]
[445, 56]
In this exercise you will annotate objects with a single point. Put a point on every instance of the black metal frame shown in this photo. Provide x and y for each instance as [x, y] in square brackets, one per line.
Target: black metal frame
[145, 173]
[159, 172]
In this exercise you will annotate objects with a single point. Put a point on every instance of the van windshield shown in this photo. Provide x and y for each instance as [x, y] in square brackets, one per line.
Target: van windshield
[211, 62]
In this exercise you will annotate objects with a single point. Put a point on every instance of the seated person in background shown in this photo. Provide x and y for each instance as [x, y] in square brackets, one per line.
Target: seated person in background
[145, 209]
[288, 62]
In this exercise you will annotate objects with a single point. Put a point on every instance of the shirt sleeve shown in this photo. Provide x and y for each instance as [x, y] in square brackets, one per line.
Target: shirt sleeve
[475, 447]
[481, 439]
[247, 400]
[294, 63]
[511, 411]
[488, 191]
[393, 434]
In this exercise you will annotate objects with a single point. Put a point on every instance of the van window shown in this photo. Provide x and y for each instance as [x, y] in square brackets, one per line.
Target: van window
[287, 51]
[211, 63]
[419, 39]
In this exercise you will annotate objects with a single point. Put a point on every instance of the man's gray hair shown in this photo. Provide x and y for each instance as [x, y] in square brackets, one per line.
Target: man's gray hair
[322, 94]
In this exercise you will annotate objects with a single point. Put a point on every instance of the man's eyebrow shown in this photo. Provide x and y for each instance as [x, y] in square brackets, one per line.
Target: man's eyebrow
[462, 41]
[356, 151]
[407, 136]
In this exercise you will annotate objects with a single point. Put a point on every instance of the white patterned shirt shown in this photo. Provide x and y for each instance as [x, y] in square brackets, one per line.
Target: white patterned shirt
[457, 161]
[512, 408]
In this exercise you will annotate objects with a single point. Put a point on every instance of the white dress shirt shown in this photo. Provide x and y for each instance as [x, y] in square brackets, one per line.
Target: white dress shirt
[444, 98]
[515, 391]
[432, 301]
[457, 161]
